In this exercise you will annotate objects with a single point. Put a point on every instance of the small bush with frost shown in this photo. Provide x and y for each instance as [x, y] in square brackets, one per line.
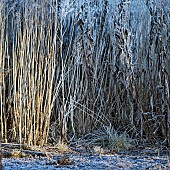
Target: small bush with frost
[110, 139]
[117, 141]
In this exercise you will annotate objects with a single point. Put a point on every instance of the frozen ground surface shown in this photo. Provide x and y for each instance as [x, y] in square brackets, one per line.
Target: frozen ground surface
[106, 162]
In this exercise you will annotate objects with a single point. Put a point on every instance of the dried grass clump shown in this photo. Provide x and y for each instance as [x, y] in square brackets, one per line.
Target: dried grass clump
[121, 142]
[109, 139]
[62, 147]
[115, 141]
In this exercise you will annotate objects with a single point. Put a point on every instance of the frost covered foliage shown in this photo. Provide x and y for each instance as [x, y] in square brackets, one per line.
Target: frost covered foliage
[70, 67]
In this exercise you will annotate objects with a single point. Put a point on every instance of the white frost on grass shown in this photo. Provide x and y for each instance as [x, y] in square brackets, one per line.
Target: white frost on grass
[90, 162]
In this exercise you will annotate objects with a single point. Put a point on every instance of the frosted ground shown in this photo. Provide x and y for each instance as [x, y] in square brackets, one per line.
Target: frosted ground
[116, 161]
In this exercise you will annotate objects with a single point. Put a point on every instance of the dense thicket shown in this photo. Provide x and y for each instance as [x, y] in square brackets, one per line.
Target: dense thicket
[71, 68]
